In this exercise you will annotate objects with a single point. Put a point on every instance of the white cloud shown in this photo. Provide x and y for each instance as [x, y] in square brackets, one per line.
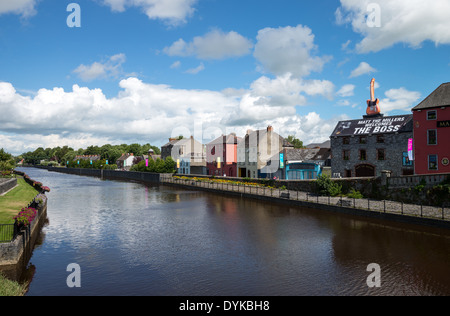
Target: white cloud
[25, 8]
[143, 112]
[362, 69]
[176, 65]
[97, 70]
[194, 71]
[288, 50]
[402, 21]
[399, 99]
[173, 12]
[214, 45]
[347, 90]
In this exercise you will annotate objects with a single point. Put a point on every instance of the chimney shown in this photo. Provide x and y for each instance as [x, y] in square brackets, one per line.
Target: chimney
[269, 129]
[249, 131]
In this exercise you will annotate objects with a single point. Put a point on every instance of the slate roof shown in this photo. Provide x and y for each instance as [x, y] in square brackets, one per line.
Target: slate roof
[438, 98]
[307, 154]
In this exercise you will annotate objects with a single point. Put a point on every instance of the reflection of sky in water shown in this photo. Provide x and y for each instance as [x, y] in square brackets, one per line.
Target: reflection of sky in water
[130, 239]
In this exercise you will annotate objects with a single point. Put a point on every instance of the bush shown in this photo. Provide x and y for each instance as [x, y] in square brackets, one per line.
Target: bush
[354, 194]
[326, 186]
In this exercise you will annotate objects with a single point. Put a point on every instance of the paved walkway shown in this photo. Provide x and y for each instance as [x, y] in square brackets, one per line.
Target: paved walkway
[389, 207]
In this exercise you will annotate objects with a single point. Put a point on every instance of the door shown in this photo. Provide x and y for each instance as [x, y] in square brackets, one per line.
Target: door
[364, 170]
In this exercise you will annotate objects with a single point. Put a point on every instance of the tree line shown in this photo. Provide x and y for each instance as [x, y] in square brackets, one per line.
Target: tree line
[62, 155]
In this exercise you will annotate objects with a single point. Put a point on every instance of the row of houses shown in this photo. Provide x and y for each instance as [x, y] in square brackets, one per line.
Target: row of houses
[413, 144]
[259, 154]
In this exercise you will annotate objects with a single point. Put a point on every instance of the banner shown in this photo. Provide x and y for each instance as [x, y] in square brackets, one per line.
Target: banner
[411, 149]
[364, 127]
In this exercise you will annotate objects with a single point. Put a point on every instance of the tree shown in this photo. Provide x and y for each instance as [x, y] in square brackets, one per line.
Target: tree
[298, 144]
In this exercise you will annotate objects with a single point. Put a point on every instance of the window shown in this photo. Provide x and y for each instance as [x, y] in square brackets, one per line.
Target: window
[348, 173]
[432, 137]
[406, 161]
[380, 139]
[362, 154]
[431, 115]
[346, 155]
[346, 140]
[381, 154]
[363, 140]
[432, 162]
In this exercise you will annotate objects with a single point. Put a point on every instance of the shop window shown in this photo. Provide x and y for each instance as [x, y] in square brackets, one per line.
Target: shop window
[346, 155]
[432, 162]
[380, 139]
[432, 137]
[346, 140]
[381, 154]
[363, 140]
[362, 154]
[406, 161]
[431, 115]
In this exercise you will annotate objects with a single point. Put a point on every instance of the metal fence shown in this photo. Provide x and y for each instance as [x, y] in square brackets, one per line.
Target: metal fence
[383, 206]
[7, 232]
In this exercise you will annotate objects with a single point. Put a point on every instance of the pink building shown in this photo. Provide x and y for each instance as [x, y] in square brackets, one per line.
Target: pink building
[221, 156]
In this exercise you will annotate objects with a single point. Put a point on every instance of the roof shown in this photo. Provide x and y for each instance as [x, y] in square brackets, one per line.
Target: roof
[125, 157]
[326, 144]
[259, 135]
[369, 126]
[307, 154]
[229, 139]
[438, 98]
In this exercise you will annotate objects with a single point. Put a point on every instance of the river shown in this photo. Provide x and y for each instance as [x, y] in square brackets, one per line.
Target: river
[134, 239]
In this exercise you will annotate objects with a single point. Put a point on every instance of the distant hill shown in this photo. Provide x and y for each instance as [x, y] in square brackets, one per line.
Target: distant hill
[326, 144]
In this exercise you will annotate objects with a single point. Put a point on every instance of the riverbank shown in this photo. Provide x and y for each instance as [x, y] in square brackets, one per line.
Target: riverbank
[381, 209]
[11, 288]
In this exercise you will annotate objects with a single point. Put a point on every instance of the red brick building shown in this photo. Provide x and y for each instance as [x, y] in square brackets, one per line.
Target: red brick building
[432, 132]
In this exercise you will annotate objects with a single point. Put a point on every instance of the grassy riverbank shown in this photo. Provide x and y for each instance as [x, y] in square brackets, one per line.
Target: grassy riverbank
[18, 198]
[11, 288]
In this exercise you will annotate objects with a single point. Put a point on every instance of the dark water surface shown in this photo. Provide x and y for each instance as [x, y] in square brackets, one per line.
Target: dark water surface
[132, 239]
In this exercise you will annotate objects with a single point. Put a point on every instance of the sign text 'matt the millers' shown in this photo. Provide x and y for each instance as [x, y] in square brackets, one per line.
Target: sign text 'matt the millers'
[386, 125]
[368, 126]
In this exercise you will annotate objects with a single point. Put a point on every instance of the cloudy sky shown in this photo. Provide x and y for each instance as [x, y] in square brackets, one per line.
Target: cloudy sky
[144, 70]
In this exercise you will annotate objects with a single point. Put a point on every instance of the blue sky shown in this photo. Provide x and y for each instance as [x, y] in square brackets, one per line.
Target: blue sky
[144, 70]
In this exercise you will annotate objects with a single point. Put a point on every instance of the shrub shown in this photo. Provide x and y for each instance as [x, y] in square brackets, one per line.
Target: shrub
[354, 194]
[326, 186]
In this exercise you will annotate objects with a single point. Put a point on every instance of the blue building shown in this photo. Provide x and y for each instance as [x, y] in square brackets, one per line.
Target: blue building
[301, 164]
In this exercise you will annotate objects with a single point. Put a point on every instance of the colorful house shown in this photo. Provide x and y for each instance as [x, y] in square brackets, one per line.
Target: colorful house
[432, 132]
[221, 156]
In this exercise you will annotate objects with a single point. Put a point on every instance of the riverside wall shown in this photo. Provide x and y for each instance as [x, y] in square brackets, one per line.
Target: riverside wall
[19, 250]
[376, 191]
[7, 184]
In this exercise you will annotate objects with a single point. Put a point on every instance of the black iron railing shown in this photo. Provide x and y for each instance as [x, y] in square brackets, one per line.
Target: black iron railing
[8, 232]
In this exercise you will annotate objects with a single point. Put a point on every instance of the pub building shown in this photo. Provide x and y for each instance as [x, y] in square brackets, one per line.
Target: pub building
[365, 147]
[432, 132]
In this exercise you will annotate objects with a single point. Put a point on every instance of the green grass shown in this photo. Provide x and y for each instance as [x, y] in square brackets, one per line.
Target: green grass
[18, 198]
[11, 288]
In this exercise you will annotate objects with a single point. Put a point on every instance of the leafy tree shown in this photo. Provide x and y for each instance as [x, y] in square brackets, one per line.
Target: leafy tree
[298, 144]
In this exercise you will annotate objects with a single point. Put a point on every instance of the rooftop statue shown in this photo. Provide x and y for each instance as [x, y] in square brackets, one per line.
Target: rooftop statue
[373, 107]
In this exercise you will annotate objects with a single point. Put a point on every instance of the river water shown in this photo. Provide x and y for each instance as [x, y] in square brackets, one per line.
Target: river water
[133, 239]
